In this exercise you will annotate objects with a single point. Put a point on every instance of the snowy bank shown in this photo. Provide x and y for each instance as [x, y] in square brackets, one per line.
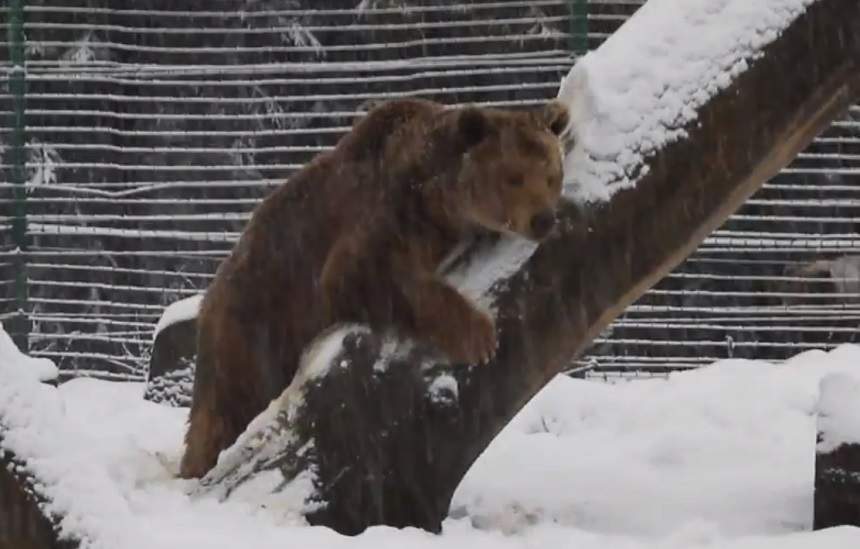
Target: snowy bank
[722, 456]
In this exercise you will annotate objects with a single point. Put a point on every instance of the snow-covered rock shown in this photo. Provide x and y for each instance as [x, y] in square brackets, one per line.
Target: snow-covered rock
[839, 411]
[184, 309]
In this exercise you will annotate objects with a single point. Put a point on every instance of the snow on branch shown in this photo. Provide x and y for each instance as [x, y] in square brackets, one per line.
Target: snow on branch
[644, 86]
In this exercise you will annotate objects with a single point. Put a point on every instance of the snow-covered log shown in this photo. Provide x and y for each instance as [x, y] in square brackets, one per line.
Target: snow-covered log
[170, 375]
[837, 455]
[679, 116]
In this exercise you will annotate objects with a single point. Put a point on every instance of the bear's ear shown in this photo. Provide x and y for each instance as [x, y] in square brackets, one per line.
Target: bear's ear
[556, 117]
[472, 125]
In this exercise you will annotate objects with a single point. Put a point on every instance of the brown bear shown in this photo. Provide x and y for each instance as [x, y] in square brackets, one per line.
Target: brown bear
[357, 236]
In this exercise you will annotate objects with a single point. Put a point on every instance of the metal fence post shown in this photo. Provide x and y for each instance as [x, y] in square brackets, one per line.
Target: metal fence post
[20, 325]
[578, 29]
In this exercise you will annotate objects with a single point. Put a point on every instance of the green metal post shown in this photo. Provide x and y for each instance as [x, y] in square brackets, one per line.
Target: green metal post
[20, 327]
[578, 27]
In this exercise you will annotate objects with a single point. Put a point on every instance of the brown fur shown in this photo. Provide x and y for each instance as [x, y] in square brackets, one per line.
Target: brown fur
[356, 236]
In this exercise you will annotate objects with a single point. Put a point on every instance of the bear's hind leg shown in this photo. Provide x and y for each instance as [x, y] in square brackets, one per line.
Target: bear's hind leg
[207, 432]
[205, 439]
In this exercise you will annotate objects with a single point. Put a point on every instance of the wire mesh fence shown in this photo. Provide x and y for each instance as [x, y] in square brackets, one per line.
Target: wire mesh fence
[150, 134]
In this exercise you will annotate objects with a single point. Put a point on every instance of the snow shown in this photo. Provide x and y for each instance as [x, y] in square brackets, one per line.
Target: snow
[178, 311]
[444, 389]
[718, 457]
[839, 410]
[38, 369]
[644, 85]
[488, 266]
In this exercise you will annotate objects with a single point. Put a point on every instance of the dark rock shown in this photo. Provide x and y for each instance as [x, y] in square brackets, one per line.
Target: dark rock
[837, 457]
[171, 367]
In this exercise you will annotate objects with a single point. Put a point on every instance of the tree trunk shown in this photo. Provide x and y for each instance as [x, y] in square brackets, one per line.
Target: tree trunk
[388, 439]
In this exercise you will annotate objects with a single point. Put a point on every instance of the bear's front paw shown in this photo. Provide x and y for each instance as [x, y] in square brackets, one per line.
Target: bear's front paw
[476, 341]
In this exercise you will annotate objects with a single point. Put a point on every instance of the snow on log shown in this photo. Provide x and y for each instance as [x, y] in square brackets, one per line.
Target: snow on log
[837, 456]
[176, 312]
[646, 84]
[678, 118]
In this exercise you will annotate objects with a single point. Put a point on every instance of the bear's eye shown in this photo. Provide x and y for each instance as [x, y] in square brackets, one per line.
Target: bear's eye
[515, 181]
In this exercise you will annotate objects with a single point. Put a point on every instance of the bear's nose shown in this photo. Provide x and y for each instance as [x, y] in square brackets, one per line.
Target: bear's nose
[542, 223]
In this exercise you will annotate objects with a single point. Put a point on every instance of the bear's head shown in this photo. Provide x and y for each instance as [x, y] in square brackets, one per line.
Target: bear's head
[511, 172]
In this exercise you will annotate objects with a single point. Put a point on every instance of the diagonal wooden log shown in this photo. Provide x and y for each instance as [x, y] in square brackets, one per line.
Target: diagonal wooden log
[387, 439]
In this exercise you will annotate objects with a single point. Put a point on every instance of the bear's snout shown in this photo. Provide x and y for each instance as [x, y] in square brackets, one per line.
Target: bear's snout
[542, 223]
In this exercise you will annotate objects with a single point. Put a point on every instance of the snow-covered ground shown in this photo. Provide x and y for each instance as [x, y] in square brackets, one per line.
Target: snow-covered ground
[719, 457]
